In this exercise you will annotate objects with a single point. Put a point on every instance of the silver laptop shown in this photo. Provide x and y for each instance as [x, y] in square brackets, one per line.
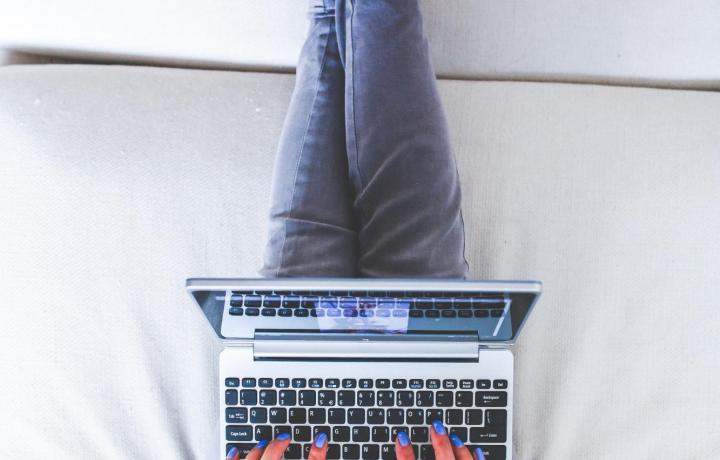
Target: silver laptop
[362, 359]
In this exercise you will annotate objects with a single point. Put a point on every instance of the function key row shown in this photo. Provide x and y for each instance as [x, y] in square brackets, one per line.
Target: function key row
[400, 384]
[364, 313]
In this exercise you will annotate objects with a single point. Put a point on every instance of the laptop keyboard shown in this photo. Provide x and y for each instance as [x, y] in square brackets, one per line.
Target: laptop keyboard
[363, 416]
[364, 304]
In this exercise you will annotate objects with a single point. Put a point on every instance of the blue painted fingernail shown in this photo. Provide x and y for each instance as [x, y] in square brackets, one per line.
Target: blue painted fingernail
[320, 440]
[438, 426]
[262, 444]
[457, 442]
[403, 438]
[283, 436]
[479, 455]
[232, 453]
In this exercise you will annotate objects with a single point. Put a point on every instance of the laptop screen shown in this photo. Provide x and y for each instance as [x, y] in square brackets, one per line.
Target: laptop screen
[494, 311]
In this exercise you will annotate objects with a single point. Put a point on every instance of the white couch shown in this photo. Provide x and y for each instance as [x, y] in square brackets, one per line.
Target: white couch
[117, 183]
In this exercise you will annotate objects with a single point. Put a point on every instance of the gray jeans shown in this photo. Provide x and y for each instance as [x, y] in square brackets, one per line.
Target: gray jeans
[365, 182]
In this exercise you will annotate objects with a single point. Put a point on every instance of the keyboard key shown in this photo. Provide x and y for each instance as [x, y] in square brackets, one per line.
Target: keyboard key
[316, 383]
[443, 304]
[293, 452]
[301, 434]
[454, 417]
[236, 311]
[278, 415]
[351, 451]
[321, 429]
[432, 384]
[282, 429]
[464, 399]
[424, 398]
[356, 416]
[405, 398]
[399, 384]
[375, 416]
[253, 301]
[490, 399]
[288, 397]
[482, 384]
[243, 448]
[271, 301]
[360, 434]
[246, 382]
[416, 314]
[282, 383]
[291, 302]
[481, 314]
[380, 434]
[500, 384]
[399, 313]
[496, 313]
[333, 452]
[298, 416]
[382, 383]
[444, 398]
[346, 398]
[424, 304]
[370, 452]
[433, 414]
[495, 417]
[490, 452]
[266, 382]
[419, 434]
[306, 450]
[302, 312]
[395, 416]
[332, 383]
[461, 432]
[415, 417]
[248, 397]
[326, 398]
[231, 397]
[432, 314]
[285, 312]
[236, 415]
[450, 384]
[365, 398]
[307, 398]
[340, 434]
[427, 452]
[336, 416]
[366, 383]
[238, 433]
[387, 452]
[299, 383]
[467, 384]
[385, 398]
[268, 397]
[473, 417]
[487, 434]
[258, 415]
[395, 430]
[268, 312]
[263, 432]
[349, 383]
[448, 313]
[252, 311]
[416, 384]
[317, 415]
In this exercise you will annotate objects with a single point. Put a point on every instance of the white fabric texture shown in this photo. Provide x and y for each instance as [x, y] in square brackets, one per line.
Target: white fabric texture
[117, 183]
[644, 42]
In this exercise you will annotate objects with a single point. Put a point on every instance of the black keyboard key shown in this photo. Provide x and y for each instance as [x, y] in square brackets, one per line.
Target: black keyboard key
[341, 434]
[433, 414]
[399, 384]
[427, 452]
[302, 312]
[253, 301]
[482, 384]
[415, 417]
[356, 416]
[288, 397]
[450, 384]
[464, 399]
[333, 452]
[307, 398]
[416, 314]
[496, 417]
[291, 302]
[488, 434]
[365, 398]
[248, 397]
[301, 433]
[316, 383]
[252, 311]
[326, 398]
[265, 382]
[336, 416]
[424, 304]
[268, 312]
[395, 416]
[443, 304]
[258, 415]
[424, 399]
[278, 429]
[467, 384]
[317, 415]
[285, 312]
[236, 415]
[263, 432]
[385, 398]
[496, 313]
[278, 415]
[346, 398]
[231, 397]
[382, 383]
[461, 432]
[500, 384]
[366, 383]
[375, 416]
[309, 302]
[419, 434]
[243, 448]
[238, 433]
[299, 383]
[465, 314]
[282, 383]
[370, 452]
[380, 434]
[481, 313]
[473, 417]
[321, 429]
[491, 452]
[395, 430]
[416, 384]
[271, 301]
[351, 451]
[332, 383]
[490, 399]
[387, 452]
[232, 382]
[405, 398]
[297, 415]
[432, 384]
[449, 313]
[454, 417]
[349, 383]
[444, 398]
[268, 397]
[432, 314]
[306, 450]
[360, 434]
[293, 452]
[246, 382]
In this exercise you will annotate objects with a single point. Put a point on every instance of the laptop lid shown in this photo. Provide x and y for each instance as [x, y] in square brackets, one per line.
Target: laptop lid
[493, 311]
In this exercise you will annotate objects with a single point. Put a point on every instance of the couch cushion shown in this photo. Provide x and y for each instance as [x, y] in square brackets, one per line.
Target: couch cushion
[642, 42]
[120, 182]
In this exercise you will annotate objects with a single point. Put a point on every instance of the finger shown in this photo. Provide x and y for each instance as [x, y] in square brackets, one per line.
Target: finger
[233, 454]
[441, 442]
[403, 448]
[479, 455]
[319, 448]
[276, 449]
[458, 446]
[256, 452]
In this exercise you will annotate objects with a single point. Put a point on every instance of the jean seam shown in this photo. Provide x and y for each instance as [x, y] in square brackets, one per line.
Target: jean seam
[302, 149]
[352, 101]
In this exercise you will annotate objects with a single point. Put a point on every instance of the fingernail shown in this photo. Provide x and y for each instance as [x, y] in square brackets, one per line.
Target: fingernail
[233, 452]
[320, 440]
[403, 438]
[438, 426]
[262, 443]
[479, 455]
[283, 436]
[457, 442]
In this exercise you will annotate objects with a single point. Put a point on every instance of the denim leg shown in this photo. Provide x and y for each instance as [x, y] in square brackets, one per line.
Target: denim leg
[401, 166]
[313, 230]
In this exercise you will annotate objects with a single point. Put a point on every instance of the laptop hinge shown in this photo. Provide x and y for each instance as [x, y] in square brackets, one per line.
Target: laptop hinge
[328, 345]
